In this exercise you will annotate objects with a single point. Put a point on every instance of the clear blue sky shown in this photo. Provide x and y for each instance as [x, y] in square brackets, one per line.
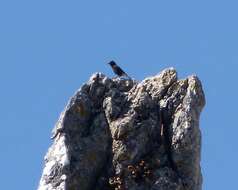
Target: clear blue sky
[49, 48]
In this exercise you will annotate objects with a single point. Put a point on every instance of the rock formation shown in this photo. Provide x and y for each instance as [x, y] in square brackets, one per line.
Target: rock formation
[127, 135]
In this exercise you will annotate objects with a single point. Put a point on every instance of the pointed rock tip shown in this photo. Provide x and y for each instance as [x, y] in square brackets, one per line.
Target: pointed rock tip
[168, 73]
[196, 86]
[96, 76]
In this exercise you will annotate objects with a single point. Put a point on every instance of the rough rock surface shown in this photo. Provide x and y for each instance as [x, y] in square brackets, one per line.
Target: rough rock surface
[121, 134]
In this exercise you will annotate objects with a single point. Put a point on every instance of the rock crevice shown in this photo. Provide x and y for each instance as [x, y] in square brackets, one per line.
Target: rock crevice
[122, 134]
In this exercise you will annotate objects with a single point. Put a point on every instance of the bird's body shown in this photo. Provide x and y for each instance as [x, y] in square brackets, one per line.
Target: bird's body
[117, 70]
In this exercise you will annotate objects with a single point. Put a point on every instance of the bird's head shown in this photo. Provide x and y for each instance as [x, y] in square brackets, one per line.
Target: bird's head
[112, 63]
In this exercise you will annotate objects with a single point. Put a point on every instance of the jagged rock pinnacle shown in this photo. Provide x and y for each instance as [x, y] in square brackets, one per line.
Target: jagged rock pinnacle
[128, 135]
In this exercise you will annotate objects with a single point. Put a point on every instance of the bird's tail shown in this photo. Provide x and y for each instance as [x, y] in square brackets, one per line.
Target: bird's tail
[126, 75]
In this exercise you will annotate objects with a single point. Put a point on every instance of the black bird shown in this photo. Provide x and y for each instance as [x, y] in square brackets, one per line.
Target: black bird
[117, 70]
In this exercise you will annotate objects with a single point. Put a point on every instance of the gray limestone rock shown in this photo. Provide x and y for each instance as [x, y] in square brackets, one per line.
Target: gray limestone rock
[121, 134]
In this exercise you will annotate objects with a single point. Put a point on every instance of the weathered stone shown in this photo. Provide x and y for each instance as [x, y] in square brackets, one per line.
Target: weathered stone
[121, 134]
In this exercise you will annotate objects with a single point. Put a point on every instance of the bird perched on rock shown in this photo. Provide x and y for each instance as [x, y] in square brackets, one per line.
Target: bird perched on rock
[117, 70]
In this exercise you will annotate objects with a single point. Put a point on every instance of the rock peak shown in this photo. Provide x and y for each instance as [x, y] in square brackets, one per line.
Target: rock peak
[122, 134]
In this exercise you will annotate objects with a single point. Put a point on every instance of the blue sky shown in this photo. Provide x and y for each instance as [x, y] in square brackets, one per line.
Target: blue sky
[49, 48]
